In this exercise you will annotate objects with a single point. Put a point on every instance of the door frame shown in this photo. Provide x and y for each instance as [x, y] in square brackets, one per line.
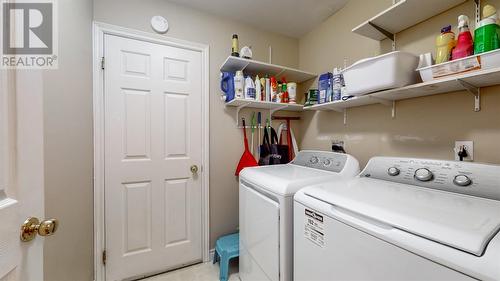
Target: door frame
[99, 31]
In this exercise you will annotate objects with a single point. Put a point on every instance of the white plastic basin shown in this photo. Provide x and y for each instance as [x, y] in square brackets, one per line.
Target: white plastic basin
[388, 71]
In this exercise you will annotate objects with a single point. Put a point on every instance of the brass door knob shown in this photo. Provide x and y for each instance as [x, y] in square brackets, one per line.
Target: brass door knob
[194, 169]
[32, 226]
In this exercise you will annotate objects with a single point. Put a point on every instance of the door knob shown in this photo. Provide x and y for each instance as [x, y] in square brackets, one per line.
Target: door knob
[194, 169]
[32, 226]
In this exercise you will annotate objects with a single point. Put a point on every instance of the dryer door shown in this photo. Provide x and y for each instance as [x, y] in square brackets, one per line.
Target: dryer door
[259, 236]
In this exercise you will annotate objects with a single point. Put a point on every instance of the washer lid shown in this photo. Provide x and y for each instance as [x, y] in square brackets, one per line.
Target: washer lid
[285, 179]
[460, 221]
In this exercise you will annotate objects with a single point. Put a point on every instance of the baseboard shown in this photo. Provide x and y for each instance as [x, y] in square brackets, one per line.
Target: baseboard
[211, 255]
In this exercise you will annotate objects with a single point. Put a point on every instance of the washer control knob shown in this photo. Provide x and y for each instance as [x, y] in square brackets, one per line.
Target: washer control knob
[423, 174]
[462, 180]
[393, 171]
[314, 160]
[327, 162]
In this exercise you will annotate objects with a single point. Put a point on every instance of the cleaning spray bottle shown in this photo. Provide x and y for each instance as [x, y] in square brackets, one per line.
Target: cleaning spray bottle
[487, 33]
[465, 46]
[274, 89]
[284, 91]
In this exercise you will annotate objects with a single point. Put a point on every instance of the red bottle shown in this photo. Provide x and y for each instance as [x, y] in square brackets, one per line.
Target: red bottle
[284, 91]
[465, 45]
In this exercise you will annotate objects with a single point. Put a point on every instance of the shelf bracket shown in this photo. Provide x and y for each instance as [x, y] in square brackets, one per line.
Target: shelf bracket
[476, 91]
[238, 109]
[343, 111]
[336, 110]
[388, 34]
[280, 73]
[243, 68]
[388, 103]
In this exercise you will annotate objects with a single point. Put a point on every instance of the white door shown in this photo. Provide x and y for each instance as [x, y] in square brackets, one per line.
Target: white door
[21, 173]
[153, 137]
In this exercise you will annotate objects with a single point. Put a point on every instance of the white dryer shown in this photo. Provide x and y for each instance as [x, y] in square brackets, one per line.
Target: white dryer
[266, 209]
[401, 219]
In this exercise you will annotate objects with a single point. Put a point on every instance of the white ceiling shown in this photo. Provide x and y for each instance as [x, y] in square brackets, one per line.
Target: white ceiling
[289, 17]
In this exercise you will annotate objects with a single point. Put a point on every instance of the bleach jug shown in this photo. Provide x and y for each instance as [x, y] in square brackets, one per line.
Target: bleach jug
[227, 86]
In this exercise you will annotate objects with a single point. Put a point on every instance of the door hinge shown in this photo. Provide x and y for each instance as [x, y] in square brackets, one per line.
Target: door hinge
[102, 63]
[104, 257]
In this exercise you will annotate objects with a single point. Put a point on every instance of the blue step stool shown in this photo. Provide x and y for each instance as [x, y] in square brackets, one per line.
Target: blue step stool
[226, 248]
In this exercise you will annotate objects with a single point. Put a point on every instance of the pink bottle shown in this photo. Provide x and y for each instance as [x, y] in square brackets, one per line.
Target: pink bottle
[465, 45]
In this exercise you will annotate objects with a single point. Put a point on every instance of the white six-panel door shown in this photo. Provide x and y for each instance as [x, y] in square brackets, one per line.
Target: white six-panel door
[21, 173]
[153, 135]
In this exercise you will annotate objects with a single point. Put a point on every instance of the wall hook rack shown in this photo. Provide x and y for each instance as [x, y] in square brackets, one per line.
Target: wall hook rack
[291, 118]
[271, 107]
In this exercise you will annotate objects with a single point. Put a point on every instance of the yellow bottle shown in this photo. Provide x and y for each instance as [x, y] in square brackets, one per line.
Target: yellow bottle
[445, 43]
[234, 46]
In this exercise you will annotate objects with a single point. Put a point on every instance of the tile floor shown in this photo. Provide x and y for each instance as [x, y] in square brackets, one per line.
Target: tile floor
[198, 272]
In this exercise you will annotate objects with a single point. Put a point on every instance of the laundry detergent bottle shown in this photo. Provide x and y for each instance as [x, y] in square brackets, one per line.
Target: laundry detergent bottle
[445, 43]
[239, 85]
[227, 86]
[465, 45]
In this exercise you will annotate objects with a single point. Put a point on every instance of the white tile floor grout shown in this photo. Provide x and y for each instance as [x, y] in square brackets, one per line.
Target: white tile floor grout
[198, 272]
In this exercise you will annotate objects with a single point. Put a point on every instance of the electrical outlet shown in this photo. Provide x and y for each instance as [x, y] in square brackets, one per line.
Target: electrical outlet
[338, 142]
[469, 146]
[338, 146]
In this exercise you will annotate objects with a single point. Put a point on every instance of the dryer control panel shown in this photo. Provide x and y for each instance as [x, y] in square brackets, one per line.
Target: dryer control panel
[322, 160]
[482, 180]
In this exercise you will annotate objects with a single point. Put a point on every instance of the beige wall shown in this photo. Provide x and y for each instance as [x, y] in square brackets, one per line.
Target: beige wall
[68, 119]
[423, 127]
[225, 141]
[68, 147]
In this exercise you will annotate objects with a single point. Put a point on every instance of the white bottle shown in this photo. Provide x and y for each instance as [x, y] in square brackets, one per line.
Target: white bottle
[239, 85]
[249, 88]
[292, 92]
[257, 88]
[268, 89]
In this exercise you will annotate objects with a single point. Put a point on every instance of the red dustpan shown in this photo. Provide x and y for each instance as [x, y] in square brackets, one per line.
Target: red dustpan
[247, 159]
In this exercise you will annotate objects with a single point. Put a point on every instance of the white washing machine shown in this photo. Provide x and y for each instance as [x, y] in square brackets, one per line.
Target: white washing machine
[266, 209]
[401, 219]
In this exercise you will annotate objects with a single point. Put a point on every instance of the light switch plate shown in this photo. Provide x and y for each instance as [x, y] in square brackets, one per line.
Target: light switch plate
[469, 145]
